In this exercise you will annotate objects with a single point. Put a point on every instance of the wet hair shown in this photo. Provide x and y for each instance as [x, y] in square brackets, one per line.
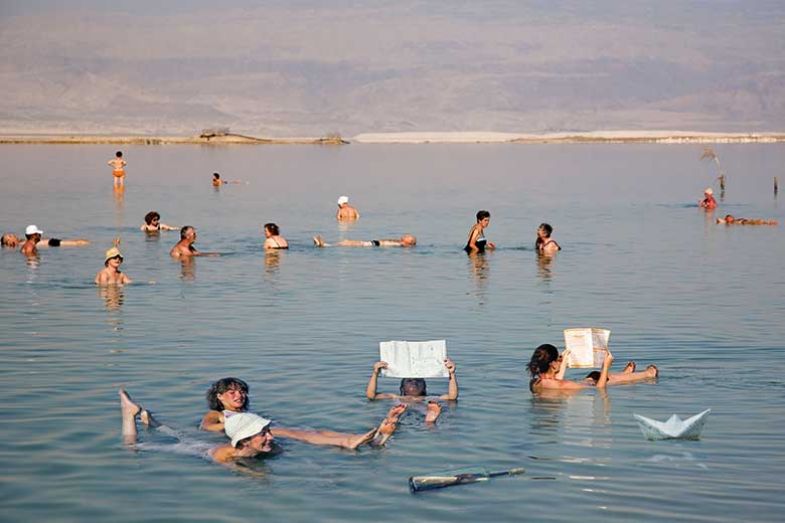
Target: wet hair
[221, 386]
[216, 176]
[481, 215]
[541, 359]
[413, 382]
[119, 154]
[594, 376]
[273, 228]
[184, 231]
[150, 216]
[548, 230]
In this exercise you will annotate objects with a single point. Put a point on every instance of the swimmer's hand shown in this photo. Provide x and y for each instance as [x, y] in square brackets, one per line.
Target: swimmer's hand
[378, 366]
[449, 365]
[491, 245]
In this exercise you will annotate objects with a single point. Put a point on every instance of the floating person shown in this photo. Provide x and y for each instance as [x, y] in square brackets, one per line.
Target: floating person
[185, 247]
[118, 168]
[345, 211]
[217, 181]
[547, 368]
[111, 274]
[228, 398]
[544, 244]
[708, 202]
[152, 223]
[729, 219]
[414, 390]
[477, 241]
[12, 241]
[407, 240]
[776, 187]
[250, 434]
[273, 238]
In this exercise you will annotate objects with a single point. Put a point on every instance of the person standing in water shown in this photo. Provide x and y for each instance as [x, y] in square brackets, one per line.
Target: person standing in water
[185, 247]
[118, 168]
[708, 202]
[544, 244]
[345, 211]
[111, 274]
[273, 238]
[477, 241]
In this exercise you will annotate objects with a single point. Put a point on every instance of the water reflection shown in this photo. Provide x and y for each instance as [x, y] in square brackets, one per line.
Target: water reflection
[112, 295]
[188, 268]
[119, 205]
[272, 260]
[583, 416]
[480, 270]
[544, 270]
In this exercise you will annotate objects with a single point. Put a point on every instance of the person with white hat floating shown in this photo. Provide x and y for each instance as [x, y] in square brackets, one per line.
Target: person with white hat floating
[708, 202]
[345, 211]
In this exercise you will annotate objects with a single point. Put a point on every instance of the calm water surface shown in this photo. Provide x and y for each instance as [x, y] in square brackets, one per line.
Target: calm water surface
[704, 302]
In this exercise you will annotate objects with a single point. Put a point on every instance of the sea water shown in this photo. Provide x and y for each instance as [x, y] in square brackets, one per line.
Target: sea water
[302, 327]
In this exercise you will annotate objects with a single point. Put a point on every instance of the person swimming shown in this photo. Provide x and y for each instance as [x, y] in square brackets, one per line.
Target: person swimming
[12, 241]
[729, 219]
[414, 389]
[477, 241]
[152, 223]
[273, 238]
[406, 240]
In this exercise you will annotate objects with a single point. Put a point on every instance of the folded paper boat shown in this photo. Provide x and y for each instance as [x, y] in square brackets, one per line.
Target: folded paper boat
[674, 428]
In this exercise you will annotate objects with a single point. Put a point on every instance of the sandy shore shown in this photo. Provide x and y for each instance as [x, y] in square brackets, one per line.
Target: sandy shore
[663, 137]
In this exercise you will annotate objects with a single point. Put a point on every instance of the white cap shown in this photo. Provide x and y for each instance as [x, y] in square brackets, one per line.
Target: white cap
[244, 425]
[343, 199]
[709, 191]
[32, 229]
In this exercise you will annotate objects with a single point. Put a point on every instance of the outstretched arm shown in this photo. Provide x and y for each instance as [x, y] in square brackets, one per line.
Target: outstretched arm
[370, 389]
[452, 387]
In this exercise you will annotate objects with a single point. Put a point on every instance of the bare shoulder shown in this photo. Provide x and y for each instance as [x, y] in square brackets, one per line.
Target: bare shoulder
[223, 453]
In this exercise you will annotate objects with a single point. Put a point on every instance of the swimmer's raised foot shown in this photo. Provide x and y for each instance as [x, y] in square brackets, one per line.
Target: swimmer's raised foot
[653, 371]
[353, 442]
[629, 368]
[432, 412]
[388, 425]
[318, 241]
[127, 405]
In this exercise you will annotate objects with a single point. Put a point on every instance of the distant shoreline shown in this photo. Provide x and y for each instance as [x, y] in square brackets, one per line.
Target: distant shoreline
[614, 137]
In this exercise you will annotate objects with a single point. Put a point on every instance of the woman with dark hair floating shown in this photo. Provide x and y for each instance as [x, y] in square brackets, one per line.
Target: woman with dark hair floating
[228, 397]
[547, 368]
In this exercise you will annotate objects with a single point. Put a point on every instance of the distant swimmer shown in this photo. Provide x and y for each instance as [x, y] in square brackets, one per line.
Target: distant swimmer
[407, 240]
[111, 274]
[118, 168]
[273, 238]
[217, 182]
[477, 241]
[414, 390]
[152, 223]
[12, 241]
[708, 201]
[345, 211]
[185, 247]
[729, 219]
[544, 244]
[547, 368]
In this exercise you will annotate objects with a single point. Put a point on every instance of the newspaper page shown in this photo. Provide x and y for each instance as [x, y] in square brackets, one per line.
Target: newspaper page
[414, 359]
[588, 347]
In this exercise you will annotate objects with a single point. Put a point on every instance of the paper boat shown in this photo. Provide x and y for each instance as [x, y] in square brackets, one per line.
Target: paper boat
[674, 428]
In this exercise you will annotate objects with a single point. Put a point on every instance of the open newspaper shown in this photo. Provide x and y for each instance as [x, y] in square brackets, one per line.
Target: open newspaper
[414, 359]
[587, 346]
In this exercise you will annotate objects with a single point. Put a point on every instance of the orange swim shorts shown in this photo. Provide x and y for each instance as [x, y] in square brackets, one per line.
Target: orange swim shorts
[118, 173]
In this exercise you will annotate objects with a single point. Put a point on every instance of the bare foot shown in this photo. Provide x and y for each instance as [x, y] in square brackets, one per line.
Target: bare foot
[388, 425]
[653, 371]
[630, 368]
[127, 405]
[355, 441]
[433, 411]
[318, 241]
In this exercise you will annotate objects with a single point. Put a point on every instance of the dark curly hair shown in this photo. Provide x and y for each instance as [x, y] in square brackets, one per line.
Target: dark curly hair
[540, 362]
[221, 386]
[411, 383]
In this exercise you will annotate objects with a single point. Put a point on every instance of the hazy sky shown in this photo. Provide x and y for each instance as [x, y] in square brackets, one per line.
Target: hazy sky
[310, 68]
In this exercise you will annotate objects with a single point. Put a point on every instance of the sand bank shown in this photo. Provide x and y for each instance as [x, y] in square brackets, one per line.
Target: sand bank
[572, 137]
[663, 137]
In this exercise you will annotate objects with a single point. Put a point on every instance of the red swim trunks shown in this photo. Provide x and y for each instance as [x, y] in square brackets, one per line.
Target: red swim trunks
[118, 173]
